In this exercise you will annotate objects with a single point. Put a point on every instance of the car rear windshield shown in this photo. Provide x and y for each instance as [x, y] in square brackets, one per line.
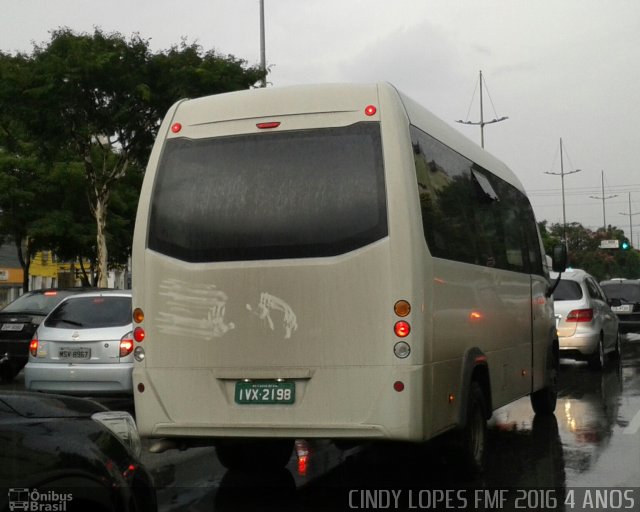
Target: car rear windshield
[38, 303]
[293, 194]
[627, 292]
[91, 313]
[567, 290]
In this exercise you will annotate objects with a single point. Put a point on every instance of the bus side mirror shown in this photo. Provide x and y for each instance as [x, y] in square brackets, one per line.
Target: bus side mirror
[559, 259]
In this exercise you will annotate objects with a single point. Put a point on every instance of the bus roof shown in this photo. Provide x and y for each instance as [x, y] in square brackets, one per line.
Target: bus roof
[333, 98]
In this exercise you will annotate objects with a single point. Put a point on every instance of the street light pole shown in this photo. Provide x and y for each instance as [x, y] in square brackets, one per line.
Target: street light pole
[263, 58]
[630, 215]
[482, 121]
[564, 210]
[604, 198]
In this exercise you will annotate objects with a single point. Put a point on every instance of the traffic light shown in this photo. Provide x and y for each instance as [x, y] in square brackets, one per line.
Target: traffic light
[624, 244]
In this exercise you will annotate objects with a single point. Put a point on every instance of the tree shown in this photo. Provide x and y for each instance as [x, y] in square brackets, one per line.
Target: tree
[98, 99]
[585, 252]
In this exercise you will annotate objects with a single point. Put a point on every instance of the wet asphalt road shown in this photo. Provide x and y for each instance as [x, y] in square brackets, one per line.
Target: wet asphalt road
[592, 444]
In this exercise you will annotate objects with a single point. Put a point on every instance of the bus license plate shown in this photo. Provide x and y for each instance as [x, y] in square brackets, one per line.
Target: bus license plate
[74, 353]
[265, 392]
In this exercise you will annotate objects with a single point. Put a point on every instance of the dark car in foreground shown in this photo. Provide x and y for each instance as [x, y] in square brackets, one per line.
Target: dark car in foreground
[19, 321]
[624, 297]
[68, 453]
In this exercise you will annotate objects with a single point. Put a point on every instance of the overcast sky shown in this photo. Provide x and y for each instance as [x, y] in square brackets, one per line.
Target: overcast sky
[565, 69]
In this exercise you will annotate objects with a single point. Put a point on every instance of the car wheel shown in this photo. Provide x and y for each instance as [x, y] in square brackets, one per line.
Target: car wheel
[617, 348]
[597, 359]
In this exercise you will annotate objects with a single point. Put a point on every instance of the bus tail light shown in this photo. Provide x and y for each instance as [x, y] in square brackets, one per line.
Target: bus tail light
[33, 346]
[402, 329]
[402, 350]
[139, 334]
[138, 315]
[402, 308]
[126, 344]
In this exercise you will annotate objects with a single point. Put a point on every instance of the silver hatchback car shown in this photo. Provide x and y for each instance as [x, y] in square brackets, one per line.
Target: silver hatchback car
[84, 346]
[587, 328]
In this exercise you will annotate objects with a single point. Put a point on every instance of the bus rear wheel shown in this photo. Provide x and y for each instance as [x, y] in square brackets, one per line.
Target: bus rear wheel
[250, 455]
[473, 437]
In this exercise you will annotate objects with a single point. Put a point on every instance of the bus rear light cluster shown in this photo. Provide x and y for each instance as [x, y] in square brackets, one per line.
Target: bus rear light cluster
[401, 329]
[138, 334]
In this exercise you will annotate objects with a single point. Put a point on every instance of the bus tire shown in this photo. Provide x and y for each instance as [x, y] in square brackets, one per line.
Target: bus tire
[254, 455]
[543, 401]
[474, 434]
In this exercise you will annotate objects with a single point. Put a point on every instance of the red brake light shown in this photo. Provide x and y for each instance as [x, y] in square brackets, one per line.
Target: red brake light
[402, 329]
[33, 347]
[126, 345]
[266, 126]
[580, 315]
[50, 293]
[138, 334]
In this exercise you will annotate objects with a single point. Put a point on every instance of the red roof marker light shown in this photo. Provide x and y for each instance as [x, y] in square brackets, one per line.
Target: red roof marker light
[176, 127]
[370, 110]
[269, 125]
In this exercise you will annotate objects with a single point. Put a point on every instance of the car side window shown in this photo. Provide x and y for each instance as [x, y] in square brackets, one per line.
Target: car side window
[594, 293]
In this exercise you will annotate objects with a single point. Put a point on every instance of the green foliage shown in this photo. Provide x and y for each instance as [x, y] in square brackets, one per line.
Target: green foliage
[585, 252]
[78, 117]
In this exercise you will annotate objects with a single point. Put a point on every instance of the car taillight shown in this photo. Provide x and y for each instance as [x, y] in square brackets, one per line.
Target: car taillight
[126, 344]
[580, 315]
[33, 346]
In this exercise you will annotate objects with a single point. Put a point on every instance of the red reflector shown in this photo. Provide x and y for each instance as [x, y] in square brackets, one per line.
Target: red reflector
[402, 329]
[176, 127]
[398, 386]
[580, 315]
[265, 126]
[370, 110]
[138, 334]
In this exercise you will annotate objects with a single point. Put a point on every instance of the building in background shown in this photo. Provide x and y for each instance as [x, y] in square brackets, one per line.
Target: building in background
[11, 274]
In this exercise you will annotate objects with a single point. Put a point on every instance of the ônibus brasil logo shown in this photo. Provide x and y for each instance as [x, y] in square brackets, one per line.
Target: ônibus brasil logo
[36, 501]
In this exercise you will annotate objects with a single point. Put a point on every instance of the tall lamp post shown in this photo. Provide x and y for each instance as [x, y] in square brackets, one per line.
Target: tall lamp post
[604, 198]
[562, 174]
[630, 215]
[482, 121]
[263, 57]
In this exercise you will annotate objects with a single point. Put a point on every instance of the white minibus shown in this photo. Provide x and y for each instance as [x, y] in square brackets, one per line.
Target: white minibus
[333, 262]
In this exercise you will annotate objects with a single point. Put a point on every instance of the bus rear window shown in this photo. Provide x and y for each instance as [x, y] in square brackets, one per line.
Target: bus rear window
[299, 194]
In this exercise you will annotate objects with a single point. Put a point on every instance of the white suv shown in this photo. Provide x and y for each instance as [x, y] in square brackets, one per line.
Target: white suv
[587, 328]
